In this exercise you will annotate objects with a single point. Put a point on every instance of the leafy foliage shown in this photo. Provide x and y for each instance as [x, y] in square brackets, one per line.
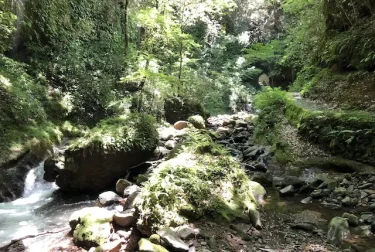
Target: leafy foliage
[7, 20]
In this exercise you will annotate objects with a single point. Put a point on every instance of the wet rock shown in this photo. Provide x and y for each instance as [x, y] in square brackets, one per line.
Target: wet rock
[288, 180]
[121, 185]
[352, 219]
[132, 200]
[170, 144]
[262, 178]
[304, 226]
[91, 226]
[128, 218]
[147, 246]
[320, 193]
[347, 201]
[197, 121]
[307, 200]
[162, 151]
[287, 191]
[108, 198]
[365, 186]
[372, 207]
[185, 232]
[180, 125]
[172, 240]
[340, 191]
[338, 229]
[109, 247]
[131, 189]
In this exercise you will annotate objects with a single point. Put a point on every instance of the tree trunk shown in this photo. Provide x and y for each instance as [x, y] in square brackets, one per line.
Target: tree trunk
[126, 30]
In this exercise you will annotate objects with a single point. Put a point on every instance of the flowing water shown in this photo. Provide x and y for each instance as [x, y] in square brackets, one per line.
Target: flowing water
[39, 209]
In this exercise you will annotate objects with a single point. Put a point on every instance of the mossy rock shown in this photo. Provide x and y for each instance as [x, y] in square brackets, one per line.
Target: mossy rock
[91, 226]
[194, 182]
[180, 108]
[197, 121]
[146, 246]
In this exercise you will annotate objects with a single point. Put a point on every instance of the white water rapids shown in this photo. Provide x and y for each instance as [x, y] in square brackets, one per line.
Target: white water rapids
[39, 209]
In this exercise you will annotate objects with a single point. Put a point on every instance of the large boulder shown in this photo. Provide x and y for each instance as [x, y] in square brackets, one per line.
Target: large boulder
[338, 229]
[91, 226]
[95, 161]
[179, 108]
[197, 121]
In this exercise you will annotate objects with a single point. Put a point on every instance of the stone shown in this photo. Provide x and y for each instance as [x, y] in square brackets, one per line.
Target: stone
[352, 219]
[258, 191]
[147, 246]
[155, 238]
[185, 232]
[162, 151]
[130, 190]
[121, 185]
[89, 170]
[131, 201]
[288, 180]
[306, 200]
[91, 226]
[128, 218]
[222, 130]
[348, 201]
[338, 229]
[172, 239]
[262, 178]
[109, 198]
[365, 186]
[197, 121]
[114, 246]
[180, 125]
[340, 191]
[373, 226]
[287, 191]
[319, 193]
[132, 241]
[170, 144]
[372, 207]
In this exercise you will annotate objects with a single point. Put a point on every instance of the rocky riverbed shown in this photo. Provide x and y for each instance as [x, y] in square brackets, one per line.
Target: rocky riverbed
[307, 207]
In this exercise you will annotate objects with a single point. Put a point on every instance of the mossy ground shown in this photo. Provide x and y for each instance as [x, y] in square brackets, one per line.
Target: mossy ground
[346, 133]
[199, 179]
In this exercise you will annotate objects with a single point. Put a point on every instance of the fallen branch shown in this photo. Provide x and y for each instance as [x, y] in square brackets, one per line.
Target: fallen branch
[4, 247]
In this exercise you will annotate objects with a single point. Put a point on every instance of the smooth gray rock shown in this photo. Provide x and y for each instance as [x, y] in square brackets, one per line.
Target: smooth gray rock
[109, 198]
[352, 219]
[121, 185]
[171, 238]
[287, 191]
[128, 218]
[347, 201]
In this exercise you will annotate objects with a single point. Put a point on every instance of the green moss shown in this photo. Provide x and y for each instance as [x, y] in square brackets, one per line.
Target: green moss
[146, 246]
[121, 133]
[197, 121]
[196, 182]
[91, 226]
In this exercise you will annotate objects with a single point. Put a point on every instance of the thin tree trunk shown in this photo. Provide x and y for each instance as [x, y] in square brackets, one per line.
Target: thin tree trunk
[126, 30]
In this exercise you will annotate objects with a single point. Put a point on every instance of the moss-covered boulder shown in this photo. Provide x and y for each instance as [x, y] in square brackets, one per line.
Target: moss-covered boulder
[199, 179]
[197, 121]
[91, 226]
[338, 229]
[146, 246]
[180, 108]
[107, 152]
